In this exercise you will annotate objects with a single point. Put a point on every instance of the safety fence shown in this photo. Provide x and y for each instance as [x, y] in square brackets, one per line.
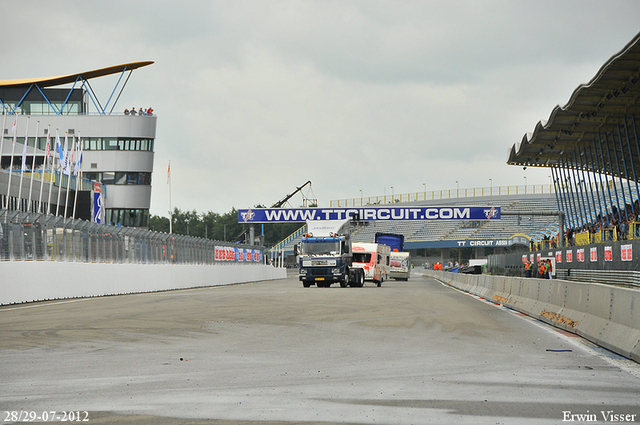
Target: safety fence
[41, 237]
[609, 262]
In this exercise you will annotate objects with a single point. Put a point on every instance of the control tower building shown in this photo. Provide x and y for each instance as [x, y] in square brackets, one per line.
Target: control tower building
[117, 148]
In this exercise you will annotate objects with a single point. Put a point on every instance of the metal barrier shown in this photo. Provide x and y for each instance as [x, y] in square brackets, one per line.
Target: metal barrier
[40, 237]
[444, 194]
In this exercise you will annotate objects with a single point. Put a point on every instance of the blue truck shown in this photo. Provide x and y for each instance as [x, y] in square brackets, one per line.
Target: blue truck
[325, 255]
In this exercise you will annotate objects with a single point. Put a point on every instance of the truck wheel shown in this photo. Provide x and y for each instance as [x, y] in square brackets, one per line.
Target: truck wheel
[306, 284]
[345, 282]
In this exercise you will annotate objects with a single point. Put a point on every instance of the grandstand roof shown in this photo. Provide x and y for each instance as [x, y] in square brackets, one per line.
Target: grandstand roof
[69, 79]
[608, 100]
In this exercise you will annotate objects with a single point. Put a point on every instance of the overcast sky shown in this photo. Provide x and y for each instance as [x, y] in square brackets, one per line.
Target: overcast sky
[254, 98]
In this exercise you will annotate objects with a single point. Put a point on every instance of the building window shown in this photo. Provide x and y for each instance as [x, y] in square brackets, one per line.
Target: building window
[108, 178]
[127, 217]
[120, 178]
[103, 143]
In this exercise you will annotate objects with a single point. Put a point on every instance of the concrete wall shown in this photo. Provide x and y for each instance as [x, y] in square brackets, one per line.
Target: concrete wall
[25, 281]
[607, 315]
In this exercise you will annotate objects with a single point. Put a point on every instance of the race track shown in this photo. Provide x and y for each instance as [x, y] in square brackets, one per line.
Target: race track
[415, 352]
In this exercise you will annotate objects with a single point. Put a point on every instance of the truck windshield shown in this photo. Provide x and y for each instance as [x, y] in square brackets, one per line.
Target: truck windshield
[361, 257]
[321, 248]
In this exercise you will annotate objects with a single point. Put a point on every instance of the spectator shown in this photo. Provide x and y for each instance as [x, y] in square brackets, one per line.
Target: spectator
[133, 111]
[126, 111]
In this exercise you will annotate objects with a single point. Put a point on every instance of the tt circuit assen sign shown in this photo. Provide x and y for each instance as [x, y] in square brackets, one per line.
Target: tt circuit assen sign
[279, 215]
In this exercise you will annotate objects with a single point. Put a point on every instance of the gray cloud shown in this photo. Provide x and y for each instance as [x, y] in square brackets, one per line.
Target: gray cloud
[254, 98]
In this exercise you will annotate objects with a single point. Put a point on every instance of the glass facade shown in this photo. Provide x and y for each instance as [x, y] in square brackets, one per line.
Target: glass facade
[117, 144]
[127, 217]
[60, 101]
[110, 177]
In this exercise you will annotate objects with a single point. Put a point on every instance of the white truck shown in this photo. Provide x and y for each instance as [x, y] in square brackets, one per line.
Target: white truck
[400, 267]
[373, 259]
[325, 255]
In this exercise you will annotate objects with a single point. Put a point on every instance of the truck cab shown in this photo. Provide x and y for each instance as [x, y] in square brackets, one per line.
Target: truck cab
[325, 255]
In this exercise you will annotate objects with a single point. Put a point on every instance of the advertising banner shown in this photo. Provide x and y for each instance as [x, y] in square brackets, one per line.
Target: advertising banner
[97, 211]
[230, 253]
[608, 253]
[626, 252]
[279, 215]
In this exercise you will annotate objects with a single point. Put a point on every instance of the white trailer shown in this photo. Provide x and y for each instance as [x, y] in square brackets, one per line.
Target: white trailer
[400, 268]
[374, 259]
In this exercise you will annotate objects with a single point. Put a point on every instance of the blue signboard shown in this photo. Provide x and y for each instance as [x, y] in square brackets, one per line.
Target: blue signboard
[280, 215]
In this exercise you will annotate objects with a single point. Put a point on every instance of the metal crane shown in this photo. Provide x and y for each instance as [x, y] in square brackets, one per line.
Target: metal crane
[284, 200]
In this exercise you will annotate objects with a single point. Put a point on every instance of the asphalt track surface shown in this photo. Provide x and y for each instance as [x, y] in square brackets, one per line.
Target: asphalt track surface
[415, 352]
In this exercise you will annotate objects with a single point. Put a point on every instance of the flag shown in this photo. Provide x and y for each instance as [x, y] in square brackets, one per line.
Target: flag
[14, 129]
[169, 173]
[65, 158]
[48, 144]
[76, 170]
[24, 155]
[59, 147]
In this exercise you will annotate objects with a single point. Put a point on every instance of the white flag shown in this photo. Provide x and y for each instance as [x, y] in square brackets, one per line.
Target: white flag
[14, 129]
[24, 155]
[76, 170]
[59, 147]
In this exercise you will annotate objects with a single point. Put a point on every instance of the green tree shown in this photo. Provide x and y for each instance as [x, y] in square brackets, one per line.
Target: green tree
[159, 224]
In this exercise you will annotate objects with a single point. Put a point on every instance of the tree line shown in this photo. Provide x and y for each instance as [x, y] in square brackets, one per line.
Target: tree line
[220, 227]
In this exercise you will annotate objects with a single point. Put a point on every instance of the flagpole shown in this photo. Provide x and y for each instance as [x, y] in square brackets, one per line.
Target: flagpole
[13, 151]
[44, 166]
[4, 125]
[23, 165]
[170, 210]
[33, 163]
[78, 172]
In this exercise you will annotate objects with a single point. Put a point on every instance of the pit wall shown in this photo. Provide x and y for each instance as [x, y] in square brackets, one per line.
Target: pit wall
[604, 314]
[26, 281]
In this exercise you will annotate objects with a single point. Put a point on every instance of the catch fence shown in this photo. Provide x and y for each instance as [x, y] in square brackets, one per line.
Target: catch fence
[41, 237]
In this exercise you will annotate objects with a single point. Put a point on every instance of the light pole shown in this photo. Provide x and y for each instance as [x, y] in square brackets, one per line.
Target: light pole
[392, 196]
[525, 184]
[457, 189]
[360, 197]
[491, 187]
[425, 191]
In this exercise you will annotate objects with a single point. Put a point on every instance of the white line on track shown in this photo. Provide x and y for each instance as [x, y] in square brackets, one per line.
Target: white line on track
[41, 304]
